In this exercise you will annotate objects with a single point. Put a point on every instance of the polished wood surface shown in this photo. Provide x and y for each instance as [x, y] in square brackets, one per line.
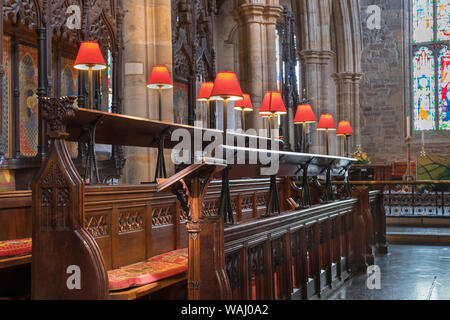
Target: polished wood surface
[303, 253]
[100, 228]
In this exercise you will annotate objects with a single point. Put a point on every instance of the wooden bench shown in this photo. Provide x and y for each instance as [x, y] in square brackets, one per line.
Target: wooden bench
[15, 225]
[68, 217]
[100, 229]
[168, 221]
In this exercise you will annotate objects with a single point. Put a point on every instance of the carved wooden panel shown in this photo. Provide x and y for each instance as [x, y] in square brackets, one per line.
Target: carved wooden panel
[193, 46]
[211, 207]
[131, 220]
[233, 266]
[261, 200]
[256, 271]
[289, 82]
[163, 216]
[55, 215]
[247, 203]
[278, 249]
[101, 20]
[98, 224]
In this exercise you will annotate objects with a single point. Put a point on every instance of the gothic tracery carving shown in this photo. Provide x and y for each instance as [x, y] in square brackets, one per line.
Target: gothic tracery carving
[192, 45]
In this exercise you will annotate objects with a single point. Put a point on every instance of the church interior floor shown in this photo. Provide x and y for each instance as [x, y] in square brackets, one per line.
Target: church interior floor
[418, 235]
[408, 272]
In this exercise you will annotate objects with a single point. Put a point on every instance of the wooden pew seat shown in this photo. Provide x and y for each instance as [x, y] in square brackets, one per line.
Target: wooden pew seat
[140, 279]
[15, 252]
[154, 269]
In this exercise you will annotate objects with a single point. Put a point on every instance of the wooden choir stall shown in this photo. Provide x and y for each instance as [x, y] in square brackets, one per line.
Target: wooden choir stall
[217, 229]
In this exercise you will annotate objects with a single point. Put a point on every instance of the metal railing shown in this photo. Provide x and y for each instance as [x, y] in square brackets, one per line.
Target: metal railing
[412, 198]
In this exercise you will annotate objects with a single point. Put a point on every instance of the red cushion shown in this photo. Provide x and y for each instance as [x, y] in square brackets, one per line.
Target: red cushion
[152, 270]
[11, 248]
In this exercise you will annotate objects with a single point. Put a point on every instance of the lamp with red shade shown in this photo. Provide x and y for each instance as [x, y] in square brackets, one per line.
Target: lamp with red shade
[244, 105]
[326, 124]
[90, 59]
[272, 106]
[159, 80]
[345, 130]
[203, 95]
[226, 88]
[304, 116]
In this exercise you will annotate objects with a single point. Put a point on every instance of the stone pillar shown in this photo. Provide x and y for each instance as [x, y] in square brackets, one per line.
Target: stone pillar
[316, 81]
[257, 22]
[147, 38]
[348, 105]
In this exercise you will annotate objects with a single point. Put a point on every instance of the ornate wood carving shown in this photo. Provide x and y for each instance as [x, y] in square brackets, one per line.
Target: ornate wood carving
[211, 208]
[163, 216]
[131, 220]
[58, 220]
[101, 20]
[98, 225]
[233, 265]
[286, 30]
[193, 47]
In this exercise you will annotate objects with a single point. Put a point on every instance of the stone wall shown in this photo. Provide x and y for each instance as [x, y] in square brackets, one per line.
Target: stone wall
[385, 92]
[383, 85]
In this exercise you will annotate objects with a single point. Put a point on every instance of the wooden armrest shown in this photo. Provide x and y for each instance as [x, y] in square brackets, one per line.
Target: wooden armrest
[15, 261]
[138, 292]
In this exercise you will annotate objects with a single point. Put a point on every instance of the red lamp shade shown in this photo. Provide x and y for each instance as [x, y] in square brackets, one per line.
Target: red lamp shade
[226, 87]
[205, 91]
[344, 129]
[272, 104]
[90, 56]
[304, 114]
[245, 104]
[160, 78]
[326, 122]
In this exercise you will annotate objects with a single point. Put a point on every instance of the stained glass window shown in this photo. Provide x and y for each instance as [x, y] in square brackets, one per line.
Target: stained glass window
[278, 58]
[444, 82]
[110, 87]
[423, 20]
[431, 64]
[424, 90]
[443, 20]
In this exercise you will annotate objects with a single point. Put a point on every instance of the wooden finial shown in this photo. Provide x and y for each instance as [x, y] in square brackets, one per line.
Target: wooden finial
[57, 111]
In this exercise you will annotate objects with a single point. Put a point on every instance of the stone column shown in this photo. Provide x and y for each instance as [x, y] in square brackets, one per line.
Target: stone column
[316, 81]
[147, 41]
[257, 23]
[249, 18]
[348, 105]
[356, 113]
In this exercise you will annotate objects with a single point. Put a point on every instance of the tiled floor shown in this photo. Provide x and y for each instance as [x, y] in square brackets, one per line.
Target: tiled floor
[407, 273]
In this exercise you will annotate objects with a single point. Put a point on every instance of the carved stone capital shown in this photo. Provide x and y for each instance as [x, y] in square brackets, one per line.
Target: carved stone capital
[57, 111]
[347, 77]
[249, 13]
[272, 13]
[316, 56]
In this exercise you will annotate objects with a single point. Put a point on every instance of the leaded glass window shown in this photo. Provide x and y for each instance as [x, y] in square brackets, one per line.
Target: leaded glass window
[431, 64]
